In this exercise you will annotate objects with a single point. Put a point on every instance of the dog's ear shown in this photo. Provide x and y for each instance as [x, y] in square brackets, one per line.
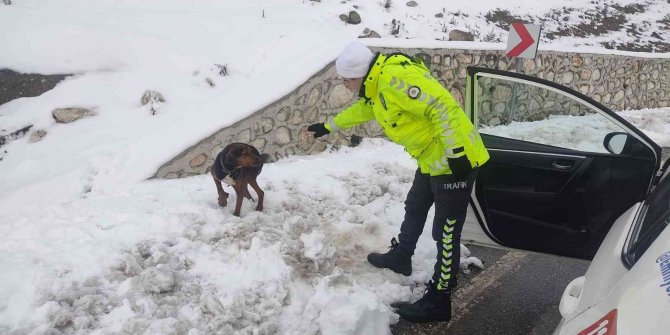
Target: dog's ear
[246, 158]
[265, 158]
[235, 152]
[246, 151]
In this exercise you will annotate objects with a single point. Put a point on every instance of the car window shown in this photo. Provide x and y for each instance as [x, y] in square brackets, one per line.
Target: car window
[655, 217]
[540, 114]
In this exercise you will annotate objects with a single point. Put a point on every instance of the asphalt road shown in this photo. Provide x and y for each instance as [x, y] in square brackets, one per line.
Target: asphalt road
[16, 85]
[516, 293]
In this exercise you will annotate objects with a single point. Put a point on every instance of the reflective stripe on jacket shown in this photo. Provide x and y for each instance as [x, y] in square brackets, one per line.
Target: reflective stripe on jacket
[415, 111]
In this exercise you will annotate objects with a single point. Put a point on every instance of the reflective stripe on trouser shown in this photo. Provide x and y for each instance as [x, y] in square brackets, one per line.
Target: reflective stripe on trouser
[445, 256]
[451, 207]
[451, 198]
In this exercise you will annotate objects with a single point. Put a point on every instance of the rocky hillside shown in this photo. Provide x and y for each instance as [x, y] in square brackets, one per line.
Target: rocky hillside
[612, 24]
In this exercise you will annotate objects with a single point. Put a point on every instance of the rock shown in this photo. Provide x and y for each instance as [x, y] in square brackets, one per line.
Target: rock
[314, 95]
[464, 59]
[528, 65]
[367, 33]
[584, 89]
[577, 61]
[354, 18]
[244, 136]
[618, 96]
[198, 160]
[283, 114]
[654, 74]
[459, 35]
[494, 121]
[567, 77]
[37, 135]
[4, 139]
[67, 115]
[151, 96]
[305, 140]
[259, 143]
[264, 125]
[356, 140]
[596, 75]
[339, 96]
[607, 98]
[171, 175]
[412, 4]
[223, 69]
[311, 115]
[585, 74]
[283, 136]
[297, 117]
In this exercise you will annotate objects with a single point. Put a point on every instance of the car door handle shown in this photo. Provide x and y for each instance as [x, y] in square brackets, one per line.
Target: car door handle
[562, 164]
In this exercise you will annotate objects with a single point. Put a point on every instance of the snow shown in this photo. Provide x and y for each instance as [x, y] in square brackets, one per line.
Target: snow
[90, 246]
[134, 257]
[587, 132]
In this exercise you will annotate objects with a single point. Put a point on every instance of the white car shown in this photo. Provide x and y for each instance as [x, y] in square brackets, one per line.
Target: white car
[569, 177]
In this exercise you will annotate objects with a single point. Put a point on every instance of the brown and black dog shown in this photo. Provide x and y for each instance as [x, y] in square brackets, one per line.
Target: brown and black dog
[242, 163]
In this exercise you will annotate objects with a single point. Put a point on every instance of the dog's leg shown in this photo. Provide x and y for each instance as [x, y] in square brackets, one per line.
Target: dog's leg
[239, 189]
[259, 192]
[223, 196]
[244, 181]
[247, 194]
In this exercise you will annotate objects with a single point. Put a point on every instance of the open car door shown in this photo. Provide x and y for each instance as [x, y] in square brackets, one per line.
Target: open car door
[563, 167]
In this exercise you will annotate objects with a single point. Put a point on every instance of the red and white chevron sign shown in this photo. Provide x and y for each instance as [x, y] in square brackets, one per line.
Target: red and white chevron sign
[523, 40]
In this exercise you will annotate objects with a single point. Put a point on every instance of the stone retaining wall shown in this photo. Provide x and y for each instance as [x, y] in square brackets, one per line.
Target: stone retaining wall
[279, 129]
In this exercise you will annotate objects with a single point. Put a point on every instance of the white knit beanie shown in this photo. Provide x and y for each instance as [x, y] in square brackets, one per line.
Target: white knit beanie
[354, 61]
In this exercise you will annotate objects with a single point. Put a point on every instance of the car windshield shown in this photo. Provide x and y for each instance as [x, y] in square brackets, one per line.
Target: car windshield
[655, 217]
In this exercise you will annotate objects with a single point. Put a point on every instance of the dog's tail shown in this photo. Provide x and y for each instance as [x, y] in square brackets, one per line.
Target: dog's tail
[265, 158]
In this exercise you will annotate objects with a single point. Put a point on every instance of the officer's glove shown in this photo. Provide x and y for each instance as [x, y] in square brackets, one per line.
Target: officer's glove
[460, 167]
[318, 129]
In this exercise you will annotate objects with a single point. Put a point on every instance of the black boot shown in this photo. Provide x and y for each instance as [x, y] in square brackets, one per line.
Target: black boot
[395, 259]
[435, 305]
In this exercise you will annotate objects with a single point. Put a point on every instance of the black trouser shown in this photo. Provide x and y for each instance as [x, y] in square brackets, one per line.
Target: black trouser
[451, 196]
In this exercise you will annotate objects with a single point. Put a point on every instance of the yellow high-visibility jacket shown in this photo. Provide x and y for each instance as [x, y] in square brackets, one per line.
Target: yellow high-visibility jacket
[415, 111]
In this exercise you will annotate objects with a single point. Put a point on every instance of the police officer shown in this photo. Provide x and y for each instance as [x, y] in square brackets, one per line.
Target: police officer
[417, 112]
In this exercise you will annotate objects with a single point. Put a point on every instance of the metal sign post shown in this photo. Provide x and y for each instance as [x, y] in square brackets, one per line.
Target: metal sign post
[522, 43]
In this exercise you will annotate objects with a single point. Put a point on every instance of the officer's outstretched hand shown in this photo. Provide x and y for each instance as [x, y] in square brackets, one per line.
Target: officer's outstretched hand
[318, 129]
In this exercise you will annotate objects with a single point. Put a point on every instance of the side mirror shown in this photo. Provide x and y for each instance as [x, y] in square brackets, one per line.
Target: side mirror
[620, 143]
[615, 142]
